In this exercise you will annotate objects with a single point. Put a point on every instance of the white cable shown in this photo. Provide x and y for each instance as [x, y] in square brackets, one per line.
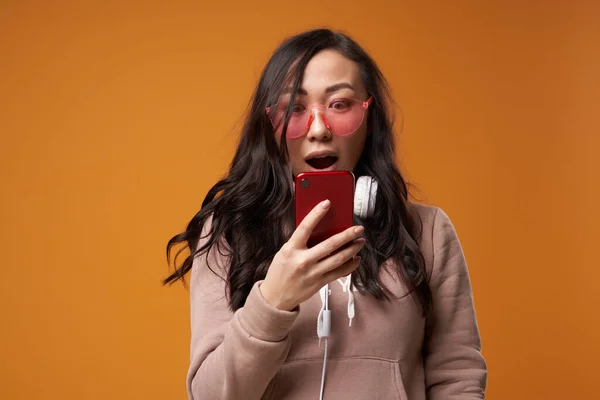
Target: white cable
[324, 369]
[351, 311]
[323, 330]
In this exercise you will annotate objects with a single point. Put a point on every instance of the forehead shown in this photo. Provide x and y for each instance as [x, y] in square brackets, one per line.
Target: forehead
[327, 68]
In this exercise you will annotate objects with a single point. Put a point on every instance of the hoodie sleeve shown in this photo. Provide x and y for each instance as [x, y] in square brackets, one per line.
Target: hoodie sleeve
[454, 365]
[233, 355]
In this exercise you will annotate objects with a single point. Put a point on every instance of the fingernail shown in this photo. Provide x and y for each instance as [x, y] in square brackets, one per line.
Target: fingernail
[359, 230]
[357, 258]
[325, 204]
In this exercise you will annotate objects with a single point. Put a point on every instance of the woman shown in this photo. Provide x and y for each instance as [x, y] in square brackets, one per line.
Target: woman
[255, 286]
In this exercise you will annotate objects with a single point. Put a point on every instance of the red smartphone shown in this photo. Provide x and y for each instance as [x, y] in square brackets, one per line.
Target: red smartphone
[314, 187]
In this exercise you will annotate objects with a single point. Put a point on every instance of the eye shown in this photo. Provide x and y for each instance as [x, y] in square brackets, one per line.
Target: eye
[298, 108]
[340, 105]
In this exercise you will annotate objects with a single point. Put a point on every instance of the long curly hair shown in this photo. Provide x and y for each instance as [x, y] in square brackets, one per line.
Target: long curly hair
[252, 205]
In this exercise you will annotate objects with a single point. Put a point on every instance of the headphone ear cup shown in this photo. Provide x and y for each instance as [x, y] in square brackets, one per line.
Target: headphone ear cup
[359, 197]
[365, 195]
[372, 197]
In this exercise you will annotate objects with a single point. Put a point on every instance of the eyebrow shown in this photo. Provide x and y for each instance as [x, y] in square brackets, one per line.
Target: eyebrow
[329, 89]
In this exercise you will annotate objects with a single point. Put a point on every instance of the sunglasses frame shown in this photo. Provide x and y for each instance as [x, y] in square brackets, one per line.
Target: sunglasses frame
[321, 107]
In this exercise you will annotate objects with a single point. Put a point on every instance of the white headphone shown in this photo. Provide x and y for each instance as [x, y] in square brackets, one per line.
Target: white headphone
[365, 195]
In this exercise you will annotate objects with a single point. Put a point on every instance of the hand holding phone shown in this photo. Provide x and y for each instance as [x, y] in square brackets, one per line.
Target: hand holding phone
[298, 271]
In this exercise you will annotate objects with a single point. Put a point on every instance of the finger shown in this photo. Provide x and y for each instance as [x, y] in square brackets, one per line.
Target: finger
[343, 270]
[343, 256]
[304, 230]
[335, 242]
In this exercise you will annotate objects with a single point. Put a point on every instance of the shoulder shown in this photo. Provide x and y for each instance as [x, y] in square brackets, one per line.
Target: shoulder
[425, 213]
[433, 219]
[211, 254]
[436, 228]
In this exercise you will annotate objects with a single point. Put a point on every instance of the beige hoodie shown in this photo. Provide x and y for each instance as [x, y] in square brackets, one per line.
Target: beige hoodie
[389, 352]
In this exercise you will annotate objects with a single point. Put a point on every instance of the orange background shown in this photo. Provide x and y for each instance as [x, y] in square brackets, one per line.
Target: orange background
[116, 118]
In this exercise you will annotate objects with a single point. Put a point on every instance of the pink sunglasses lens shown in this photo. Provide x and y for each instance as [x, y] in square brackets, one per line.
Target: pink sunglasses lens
[344, 117]
[297, 124]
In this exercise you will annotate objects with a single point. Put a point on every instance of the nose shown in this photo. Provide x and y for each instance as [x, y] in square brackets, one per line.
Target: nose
[317, 129]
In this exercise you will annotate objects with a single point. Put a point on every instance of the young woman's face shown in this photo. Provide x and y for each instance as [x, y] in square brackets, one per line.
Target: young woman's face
[329, 79]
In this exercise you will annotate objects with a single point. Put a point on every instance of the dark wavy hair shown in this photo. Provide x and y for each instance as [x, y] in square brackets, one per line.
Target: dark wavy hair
[252, 205]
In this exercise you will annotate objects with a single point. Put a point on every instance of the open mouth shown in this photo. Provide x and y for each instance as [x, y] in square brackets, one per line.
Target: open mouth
[322, 162]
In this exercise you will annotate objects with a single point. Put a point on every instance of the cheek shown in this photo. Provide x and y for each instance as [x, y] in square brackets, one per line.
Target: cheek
[292, 145]
[355, 144]
[293, 148]
[352, 148]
